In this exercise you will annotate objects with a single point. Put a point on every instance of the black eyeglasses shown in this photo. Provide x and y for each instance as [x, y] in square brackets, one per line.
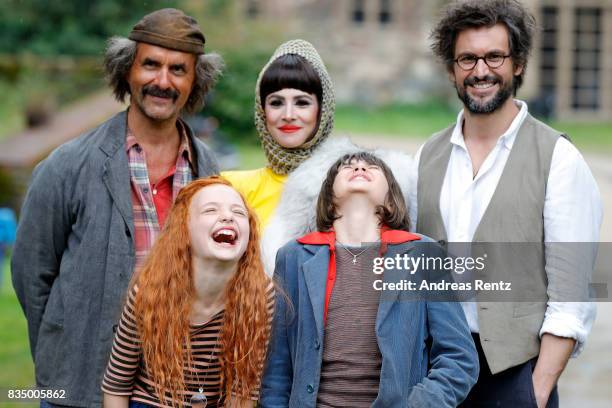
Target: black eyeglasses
[467, 62]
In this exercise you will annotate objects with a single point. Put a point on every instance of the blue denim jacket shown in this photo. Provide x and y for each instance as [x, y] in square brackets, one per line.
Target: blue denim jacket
[413, 374]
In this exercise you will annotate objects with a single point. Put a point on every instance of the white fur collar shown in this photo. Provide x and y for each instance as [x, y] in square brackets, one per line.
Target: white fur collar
[295, 214]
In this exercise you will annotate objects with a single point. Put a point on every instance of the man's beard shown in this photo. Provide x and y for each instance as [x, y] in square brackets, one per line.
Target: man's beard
[492, 105]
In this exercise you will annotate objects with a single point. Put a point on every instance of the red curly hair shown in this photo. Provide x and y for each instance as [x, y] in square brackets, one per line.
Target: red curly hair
[163, 320]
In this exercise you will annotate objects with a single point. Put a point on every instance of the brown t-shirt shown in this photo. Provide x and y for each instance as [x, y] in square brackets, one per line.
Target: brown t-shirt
[350, 371]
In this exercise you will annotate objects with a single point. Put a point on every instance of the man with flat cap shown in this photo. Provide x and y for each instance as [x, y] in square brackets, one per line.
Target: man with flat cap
[97, 203]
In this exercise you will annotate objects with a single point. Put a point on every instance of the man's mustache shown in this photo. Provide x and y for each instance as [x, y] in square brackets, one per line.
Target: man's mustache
[155, 90]
[473, 80]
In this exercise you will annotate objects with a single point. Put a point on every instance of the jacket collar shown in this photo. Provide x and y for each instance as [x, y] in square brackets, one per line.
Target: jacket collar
[115, 130]
[115, 172]
[387, 236]
[320, 271]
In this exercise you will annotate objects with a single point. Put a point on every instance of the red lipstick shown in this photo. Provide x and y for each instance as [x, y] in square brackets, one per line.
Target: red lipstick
[289, 128]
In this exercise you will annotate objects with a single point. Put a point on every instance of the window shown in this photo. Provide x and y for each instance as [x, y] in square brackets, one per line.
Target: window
[358, 13]
[384, 15]
[586, 69]
[548, 58]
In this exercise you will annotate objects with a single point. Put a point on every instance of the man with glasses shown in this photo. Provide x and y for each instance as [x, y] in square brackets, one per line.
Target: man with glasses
[499, 175]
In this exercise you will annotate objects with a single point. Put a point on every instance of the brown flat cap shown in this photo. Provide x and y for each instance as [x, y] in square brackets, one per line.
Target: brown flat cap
[170, 28]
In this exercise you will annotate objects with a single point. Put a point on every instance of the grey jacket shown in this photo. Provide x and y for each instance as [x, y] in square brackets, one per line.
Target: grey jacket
[74, 257]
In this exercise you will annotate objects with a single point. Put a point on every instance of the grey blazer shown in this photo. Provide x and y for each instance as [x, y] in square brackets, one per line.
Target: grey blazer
[74, 257]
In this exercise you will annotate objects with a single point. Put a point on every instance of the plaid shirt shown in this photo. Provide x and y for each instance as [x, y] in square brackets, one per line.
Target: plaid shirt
[146, 224]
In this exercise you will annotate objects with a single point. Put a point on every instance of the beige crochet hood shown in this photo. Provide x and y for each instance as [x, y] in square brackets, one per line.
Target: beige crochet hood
[283, 160]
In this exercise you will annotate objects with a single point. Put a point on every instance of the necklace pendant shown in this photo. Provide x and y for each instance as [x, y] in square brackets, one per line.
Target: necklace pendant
[354, 259]
[199, 400]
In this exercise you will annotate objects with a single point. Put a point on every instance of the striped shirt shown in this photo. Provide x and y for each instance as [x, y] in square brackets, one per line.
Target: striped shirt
[350, 367]
[145, 212]
[126, 374]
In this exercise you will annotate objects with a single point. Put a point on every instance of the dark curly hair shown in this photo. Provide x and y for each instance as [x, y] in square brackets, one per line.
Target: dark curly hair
[462, 15]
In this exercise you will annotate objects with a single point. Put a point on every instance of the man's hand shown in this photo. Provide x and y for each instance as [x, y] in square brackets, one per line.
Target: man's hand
[554, 354]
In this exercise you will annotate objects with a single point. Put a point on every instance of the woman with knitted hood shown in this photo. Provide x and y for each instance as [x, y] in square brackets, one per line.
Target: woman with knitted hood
[294, 116]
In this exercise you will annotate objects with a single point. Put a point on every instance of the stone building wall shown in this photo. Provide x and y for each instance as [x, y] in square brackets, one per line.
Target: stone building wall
[377, 51]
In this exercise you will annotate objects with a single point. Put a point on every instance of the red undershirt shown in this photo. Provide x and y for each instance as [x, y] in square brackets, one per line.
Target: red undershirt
[162, 196]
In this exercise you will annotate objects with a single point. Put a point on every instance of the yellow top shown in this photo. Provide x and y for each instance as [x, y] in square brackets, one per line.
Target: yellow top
[262, 189]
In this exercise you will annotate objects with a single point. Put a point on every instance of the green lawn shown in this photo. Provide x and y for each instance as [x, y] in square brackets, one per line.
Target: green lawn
[417, 121]
[251, 155]
[16, 368]
[420, 121]
[11, 114]
[591, 137]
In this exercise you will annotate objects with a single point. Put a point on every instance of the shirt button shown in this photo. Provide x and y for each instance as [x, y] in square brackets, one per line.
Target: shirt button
[310, 388]
[145, 190]
[154, 191]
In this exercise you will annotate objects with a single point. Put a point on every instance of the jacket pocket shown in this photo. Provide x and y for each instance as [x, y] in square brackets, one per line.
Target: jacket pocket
[532, 396]
[50, 355]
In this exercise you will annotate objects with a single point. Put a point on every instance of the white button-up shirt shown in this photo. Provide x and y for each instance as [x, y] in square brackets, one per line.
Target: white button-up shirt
[572, 212]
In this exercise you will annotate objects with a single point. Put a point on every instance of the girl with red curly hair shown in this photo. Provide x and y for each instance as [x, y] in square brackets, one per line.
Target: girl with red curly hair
[196, 322]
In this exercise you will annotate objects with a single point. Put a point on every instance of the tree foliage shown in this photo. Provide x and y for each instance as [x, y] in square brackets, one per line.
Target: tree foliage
[48, 48]
[74, 27]
[232, 101]
[246, 45]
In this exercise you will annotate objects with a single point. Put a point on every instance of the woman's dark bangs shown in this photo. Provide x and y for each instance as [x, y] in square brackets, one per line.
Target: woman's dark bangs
[290, 71]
